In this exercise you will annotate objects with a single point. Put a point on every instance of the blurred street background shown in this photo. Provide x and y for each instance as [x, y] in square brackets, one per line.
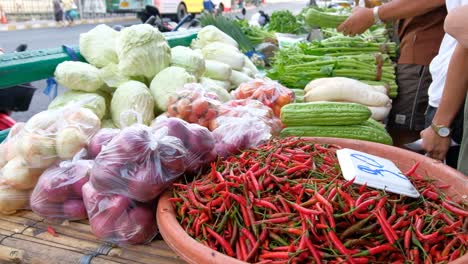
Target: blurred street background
[51, 35]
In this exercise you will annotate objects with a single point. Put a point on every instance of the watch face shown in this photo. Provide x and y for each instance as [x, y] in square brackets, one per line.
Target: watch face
[444, 132]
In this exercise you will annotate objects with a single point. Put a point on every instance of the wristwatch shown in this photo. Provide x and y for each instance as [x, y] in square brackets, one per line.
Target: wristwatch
[441, 130]
[377, 19]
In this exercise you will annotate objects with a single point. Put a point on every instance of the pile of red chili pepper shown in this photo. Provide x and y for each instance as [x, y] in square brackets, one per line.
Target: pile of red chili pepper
[287, 202]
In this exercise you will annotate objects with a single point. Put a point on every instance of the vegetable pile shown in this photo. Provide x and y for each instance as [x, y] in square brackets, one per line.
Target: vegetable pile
[286, 202]
[332, 119]
[284, 22]
[362, 60]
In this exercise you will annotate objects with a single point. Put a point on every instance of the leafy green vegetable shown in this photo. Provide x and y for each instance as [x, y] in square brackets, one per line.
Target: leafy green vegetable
[228, 26]
[284, 22]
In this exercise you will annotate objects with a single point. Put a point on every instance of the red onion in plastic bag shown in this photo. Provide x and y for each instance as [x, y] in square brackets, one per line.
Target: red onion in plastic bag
[139, 163]
[197, 139]
[118, 219]
[58, 195]
[100, 139]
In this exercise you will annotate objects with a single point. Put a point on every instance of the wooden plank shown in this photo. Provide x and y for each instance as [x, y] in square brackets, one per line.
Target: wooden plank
[11, 255]
[145, 258]
[63, 239]
[10, 226]
[26, 214]
[73, 229]
[45, 254]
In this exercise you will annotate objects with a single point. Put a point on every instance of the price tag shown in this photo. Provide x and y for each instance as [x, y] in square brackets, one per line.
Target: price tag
[375, 171]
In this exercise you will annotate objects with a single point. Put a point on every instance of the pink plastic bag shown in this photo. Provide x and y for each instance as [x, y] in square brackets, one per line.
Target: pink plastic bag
[249, 108]
[269, 92]
[57, 195]
[139, 163]
[237, 133]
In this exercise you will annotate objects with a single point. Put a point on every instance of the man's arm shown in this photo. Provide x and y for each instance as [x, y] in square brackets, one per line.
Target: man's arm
[456, 85]
[455, 25]
[454, 94]
[363, 18]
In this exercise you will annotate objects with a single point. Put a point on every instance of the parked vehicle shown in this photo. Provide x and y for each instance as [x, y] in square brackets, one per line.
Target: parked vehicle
[16, 98]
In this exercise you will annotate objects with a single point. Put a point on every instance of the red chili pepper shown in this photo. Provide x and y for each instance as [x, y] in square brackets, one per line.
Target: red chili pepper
[451, 228]
[249, 235]
[336, 241]
[455, 254]
[314, 251]
[304, 210]
[430, 195]
[224, 244]
[278, 220]
[276, 255]
[266, 204]
[455, 210]
[296, 169]
[52, 231]
[239, 253]
[215, 173]
[324, 201]
[449, 247]
[412, 170]
[376, 250]
[349, 183]
[241, 200]
[260, 240]
[194, 201]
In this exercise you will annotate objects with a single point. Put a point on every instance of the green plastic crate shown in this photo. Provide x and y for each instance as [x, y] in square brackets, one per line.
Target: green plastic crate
[4, 134]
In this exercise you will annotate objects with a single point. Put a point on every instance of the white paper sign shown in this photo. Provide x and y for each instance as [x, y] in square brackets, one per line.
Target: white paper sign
[377, 172]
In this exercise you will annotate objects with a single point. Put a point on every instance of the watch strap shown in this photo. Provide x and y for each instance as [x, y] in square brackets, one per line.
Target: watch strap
[377, 19]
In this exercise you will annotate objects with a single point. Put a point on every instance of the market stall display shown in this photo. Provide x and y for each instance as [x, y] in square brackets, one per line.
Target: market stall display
[202, 121]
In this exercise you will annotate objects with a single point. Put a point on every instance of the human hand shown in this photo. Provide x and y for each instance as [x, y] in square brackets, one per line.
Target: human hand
[360, 20]
[435, 146]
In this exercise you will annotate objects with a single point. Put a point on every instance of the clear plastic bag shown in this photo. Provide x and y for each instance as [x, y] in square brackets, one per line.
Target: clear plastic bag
[118, 219]
[237, 133]
[100, 139]
[55, 135]
[12, 200]
[248, 108]
[270, 93]
[194, 105]
[139, 163]
[58, 196]
[198, 141]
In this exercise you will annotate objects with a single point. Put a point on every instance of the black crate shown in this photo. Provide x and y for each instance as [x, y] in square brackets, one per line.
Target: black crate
[16, 98]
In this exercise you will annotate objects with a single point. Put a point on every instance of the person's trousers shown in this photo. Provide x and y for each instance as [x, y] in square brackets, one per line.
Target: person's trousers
[68, 16]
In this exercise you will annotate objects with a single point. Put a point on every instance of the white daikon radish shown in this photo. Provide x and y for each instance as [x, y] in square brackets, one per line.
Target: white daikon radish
[217, 70]
[344, 89]
[379, 113]
[226, 85]
[250, 65]
[379, 88]
[238, 77]
[224, 53]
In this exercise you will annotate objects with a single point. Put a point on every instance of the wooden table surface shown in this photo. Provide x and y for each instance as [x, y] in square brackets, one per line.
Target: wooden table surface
[24, 236]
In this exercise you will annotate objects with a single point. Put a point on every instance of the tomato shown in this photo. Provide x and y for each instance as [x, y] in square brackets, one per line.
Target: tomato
[184, 108]
[200, 106]
[211, 114]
